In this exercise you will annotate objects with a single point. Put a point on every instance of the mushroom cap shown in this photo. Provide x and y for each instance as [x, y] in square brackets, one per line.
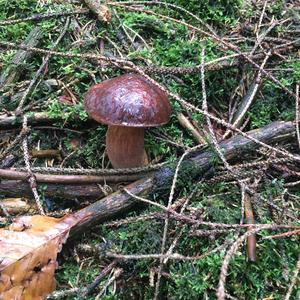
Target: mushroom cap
[128, 100]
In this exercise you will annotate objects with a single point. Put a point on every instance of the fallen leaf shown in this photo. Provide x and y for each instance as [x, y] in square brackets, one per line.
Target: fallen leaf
[28, 252]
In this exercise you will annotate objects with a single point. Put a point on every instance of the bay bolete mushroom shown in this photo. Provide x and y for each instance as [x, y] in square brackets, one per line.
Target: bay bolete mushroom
[127, 104]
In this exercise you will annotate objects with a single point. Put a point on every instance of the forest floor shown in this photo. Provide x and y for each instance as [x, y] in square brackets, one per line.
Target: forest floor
[228, 67]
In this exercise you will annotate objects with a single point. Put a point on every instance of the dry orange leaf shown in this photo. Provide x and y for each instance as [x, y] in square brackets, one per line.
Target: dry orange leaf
[28, 251]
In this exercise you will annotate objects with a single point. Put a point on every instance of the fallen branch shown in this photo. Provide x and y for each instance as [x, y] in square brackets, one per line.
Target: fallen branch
[14, 70]
[17, 188]
[225, 62]
[110, 206]
[40, 17]
[234, 147]
[32, 118]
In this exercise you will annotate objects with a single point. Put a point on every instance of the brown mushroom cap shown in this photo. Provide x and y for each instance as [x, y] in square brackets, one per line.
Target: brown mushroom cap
[128, 100]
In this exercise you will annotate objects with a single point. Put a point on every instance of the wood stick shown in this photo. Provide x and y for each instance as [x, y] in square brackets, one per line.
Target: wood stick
[36, 118]
[33, 118]
[47, 153]
[17, 188]
[234, 147]
[109, 206]
[67, 179]
[184, 122]
[14, 70]
[89, 289]
[251, 239]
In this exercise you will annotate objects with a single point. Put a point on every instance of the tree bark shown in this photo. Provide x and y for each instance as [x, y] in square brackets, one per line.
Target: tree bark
[195, 166]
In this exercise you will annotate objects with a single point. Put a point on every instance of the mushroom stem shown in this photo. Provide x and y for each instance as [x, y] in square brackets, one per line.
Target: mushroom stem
[125, 146]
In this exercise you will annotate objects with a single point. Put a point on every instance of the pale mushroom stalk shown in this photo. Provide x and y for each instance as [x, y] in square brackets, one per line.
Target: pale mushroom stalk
[125, 146]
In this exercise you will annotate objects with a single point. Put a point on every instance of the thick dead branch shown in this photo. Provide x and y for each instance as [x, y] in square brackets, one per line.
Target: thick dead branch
[234, 147]
[110, 206]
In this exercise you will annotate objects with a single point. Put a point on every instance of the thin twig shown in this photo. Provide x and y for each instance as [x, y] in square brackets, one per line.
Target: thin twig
[185, 218]
[281, 235]
[90, 288]
[166, 225]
